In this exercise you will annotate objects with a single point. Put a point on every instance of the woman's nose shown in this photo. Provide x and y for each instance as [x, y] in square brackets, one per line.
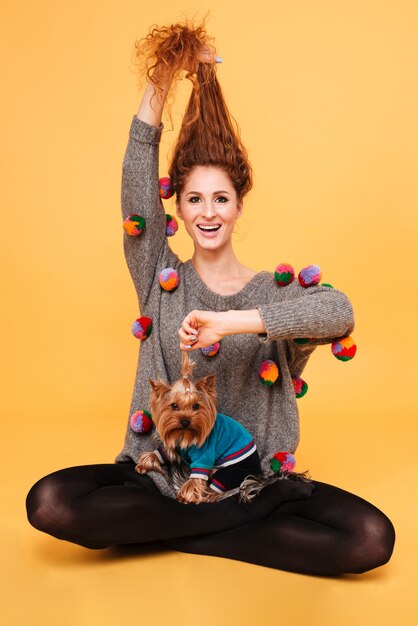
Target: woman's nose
[208, 210]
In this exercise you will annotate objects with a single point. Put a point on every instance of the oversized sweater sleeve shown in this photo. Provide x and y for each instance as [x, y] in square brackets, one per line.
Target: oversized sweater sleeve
[140, 194]
[317, 314]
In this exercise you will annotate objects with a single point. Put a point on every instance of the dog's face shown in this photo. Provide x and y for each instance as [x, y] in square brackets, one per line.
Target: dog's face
[183, 413]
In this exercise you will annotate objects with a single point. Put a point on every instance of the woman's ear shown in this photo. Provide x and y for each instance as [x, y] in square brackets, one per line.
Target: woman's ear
[240, 208]
[178, 209]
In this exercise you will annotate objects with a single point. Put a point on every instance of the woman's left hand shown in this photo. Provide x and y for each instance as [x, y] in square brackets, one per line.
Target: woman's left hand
[200, 329]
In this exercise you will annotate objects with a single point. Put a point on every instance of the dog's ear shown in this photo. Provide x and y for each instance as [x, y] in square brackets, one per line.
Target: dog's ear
[159, 387]
[207, 385]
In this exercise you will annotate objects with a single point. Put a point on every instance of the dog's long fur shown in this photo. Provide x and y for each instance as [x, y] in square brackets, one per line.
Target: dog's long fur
[184, 414]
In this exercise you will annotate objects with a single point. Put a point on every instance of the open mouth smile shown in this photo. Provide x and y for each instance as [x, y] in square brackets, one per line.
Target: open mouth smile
[209, 229]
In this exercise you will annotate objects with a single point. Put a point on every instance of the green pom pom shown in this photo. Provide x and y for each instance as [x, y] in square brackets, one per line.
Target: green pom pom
[327, 285]
[275, 465]
[301, 341]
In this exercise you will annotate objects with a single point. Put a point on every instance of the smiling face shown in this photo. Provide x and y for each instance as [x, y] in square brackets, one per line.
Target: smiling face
[209, 207]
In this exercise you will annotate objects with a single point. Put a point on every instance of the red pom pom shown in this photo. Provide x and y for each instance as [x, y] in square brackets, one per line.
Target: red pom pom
[142, 327]
[344, 349]
[283, 462]
[166, 189]
[141, 421]
[300, 387]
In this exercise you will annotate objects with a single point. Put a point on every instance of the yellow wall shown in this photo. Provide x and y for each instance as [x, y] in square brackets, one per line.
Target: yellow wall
[325, 93]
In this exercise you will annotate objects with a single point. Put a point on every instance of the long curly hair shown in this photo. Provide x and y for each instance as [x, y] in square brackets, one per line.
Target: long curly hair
[209, 135]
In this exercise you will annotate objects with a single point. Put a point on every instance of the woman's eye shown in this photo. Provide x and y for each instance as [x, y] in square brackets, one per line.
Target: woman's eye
[174, 406]
[196, 406]
[193, 198]
[222, 198]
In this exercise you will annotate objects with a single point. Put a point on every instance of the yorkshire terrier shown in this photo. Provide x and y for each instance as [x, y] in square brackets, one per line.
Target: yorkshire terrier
[191, 431]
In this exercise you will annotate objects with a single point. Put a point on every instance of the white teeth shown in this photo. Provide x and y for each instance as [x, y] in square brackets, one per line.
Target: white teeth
[208, 228]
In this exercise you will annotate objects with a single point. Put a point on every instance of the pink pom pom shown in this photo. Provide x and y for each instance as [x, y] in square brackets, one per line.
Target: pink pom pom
[284, 274]
[141, 421]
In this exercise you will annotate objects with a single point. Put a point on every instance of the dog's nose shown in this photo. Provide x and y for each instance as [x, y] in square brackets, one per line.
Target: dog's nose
[184, 423]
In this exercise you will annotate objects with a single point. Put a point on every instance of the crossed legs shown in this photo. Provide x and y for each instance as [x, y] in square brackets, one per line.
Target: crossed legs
[330, 533]
[309, 528]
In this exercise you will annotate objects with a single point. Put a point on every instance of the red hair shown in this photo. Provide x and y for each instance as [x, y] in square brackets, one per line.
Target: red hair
[208, 135]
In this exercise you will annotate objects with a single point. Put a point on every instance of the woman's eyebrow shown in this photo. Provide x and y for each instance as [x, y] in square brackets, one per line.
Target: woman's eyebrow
[198, 192]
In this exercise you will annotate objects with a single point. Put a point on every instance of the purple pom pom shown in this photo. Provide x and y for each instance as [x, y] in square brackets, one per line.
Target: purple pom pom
[310, 275]
[211, 350]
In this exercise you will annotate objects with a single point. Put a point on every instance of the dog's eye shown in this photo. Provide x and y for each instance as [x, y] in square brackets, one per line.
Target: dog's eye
[196, 406]
[174, 406]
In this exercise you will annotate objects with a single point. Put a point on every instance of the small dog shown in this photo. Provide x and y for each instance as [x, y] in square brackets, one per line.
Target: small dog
[184, 415]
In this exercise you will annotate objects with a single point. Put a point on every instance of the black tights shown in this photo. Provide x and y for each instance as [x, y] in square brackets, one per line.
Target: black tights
[311, 528]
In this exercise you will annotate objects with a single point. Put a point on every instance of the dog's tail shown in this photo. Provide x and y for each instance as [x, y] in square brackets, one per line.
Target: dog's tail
[187, 365]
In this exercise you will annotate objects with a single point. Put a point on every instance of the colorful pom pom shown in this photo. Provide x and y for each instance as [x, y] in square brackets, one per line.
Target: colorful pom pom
[142, 327]
[327, 285]
[283, 462]
[268, 373]
[169, 279]
[141, 421]
[344, 349]
[310, 275]
[166, 189]
[134, 224]
[300, 387]
[211, 350]
[284, 274]
[171, 225]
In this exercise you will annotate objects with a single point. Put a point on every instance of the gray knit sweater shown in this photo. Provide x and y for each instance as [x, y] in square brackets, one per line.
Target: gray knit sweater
[322, 314]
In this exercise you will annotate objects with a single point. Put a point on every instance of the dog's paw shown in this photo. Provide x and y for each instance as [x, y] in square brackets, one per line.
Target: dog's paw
[148, 462]
[211, 496]
[194, 491]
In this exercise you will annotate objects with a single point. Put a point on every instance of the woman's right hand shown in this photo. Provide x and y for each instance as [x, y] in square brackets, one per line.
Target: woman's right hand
[206, 55]
[150, 109]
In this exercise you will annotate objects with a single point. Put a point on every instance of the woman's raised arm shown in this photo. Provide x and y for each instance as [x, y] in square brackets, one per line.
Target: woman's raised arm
[140, 191]
[152, 103]
[140, 182]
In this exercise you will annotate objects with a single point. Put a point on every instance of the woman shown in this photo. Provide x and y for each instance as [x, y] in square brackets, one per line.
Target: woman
[307, 527]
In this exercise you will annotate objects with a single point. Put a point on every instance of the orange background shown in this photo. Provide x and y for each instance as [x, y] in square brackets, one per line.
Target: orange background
[325, 94]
